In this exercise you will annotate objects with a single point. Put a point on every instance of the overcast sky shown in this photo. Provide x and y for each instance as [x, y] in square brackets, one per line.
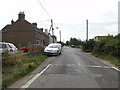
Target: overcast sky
[68, 15]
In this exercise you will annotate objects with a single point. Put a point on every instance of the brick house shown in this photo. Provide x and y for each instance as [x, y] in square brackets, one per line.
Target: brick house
[98, 38]
[51, 37]
[23, 33]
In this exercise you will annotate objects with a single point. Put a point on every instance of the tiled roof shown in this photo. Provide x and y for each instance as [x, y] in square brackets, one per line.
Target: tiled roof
[6, 27]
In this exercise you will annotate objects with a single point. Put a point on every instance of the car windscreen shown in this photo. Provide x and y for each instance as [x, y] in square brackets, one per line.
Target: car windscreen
[54, 46]
[11, 46]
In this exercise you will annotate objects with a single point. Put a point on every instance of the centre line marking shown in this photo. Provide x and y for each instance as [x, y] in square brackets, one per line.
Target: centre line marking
[76, 60]
[35, 77]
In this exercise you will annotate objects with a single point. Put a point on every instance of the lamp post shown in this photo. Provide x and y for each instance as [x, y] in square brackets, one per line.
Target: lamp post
[87, 30]
[60, 35]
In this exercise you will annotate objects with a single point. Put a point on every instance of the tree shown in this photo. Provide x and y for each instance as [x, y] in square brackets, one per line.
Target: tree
[74, 41]
[67, 43]
[109, 46]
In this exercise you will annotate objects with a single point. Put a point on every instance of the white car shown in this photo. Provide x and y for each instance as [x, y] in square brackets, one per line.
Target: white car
[4, 47]
[53, 49]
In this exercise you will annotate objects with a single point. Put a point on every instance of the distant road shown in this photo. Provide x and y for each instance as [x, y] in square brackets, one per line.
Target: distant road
[74, 69]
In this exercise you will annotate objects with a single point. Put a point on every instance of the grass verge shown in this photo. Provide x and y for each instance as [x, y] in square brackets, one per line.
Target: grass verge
[17, 66]
[113, 60]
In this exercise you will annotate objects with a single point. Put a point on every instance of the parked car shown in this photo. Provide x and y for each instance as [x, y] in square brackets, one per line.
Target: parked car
[53, 49]
[8, 47]
[32, 47]
[73, 46]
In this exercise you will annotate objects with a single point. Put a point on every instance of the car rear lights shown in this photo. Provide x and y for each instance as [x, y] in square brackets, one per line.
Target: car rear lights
[11, 50]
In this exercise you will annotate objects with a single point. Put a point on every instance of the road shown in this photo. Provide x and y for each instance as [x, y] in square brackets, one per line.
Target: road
[74, 69]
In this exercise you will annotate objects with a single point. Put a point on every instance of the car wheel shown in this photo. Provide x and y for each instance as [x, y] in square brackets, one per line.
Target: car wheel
[60, 52]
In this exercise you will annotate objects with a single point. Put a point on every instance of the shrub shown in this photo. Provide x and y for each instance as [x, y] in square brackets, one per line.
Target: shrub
[88, 46]
[108, 46]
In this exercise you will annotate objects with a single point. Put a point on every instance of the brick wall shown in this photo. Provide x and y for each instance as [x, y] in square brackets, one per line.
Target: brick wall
[23, 33]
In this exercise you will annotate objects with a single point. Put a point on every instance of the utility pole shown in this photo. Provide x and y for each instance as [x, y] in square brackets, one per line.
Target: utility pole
[87, 30]
[60, 35]
[52, 30]
[51, 27]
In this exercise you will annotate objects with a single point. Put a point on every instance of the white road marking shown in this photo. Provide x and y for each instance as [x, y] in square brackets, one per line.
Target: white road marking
[35, 77]
[98, 66]
[92, 66]
[76, 60]
[116, 69]
[101, 67]
[70, 64]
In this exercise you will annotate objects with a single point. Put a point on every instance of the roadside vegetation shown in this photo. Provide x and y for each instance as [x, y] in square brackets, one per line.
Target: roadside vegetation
[76, 43]
[17, 66]
[107, 48]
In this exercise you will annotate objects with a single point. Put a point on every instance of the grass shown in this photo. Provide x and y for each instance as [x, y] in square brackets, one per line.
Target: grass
[17, 66]
[113, 60]
[78, 46]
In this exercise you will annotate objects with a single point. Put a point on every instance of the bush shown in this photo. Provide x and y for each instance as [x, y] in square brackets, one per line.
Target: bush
[108, 46]
[5, 54]
[88, 46]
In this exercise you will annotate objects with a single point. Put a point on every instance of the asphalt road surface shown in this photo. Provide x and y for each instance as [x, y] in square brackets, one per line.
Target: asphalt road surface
[74, 69]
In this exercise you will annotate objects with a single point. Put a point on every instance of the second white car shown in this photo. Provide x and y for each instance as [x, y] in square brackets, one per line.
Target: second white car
[8, 47]
[53, 49]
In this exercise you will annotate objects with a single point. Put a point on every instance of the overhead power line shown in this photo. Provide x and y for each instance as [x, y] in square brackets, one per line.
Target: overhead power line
[44, 8]
[51, 27]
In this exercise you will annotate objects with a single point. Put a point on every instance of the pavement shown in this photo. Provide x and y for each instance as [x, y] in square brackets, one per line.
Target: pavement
[71, 69]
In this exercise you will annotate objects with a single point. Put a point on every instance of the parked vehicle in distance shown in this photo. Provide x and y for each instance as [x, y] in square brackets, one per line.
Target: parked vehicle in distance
[32, 47]
[73, 46]
[53, 49]
[8, 47]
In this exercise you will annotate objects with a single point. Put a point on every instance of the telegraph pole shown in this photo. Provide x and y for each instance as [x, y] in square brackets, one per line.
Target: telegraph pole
[51, 27]
[52, 30]
[60, 35]
[87, 30]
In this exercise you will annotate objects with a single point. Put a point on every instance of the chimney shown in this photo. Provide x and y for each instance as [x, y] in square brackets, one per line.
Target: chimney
[21, 16]
[41, 29]
[46, 31]
[12, 21]
[34, 24]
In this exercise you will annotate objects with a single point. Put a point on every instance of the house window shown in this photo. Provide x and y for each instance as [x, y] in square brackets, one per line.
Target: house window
[38, 42]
